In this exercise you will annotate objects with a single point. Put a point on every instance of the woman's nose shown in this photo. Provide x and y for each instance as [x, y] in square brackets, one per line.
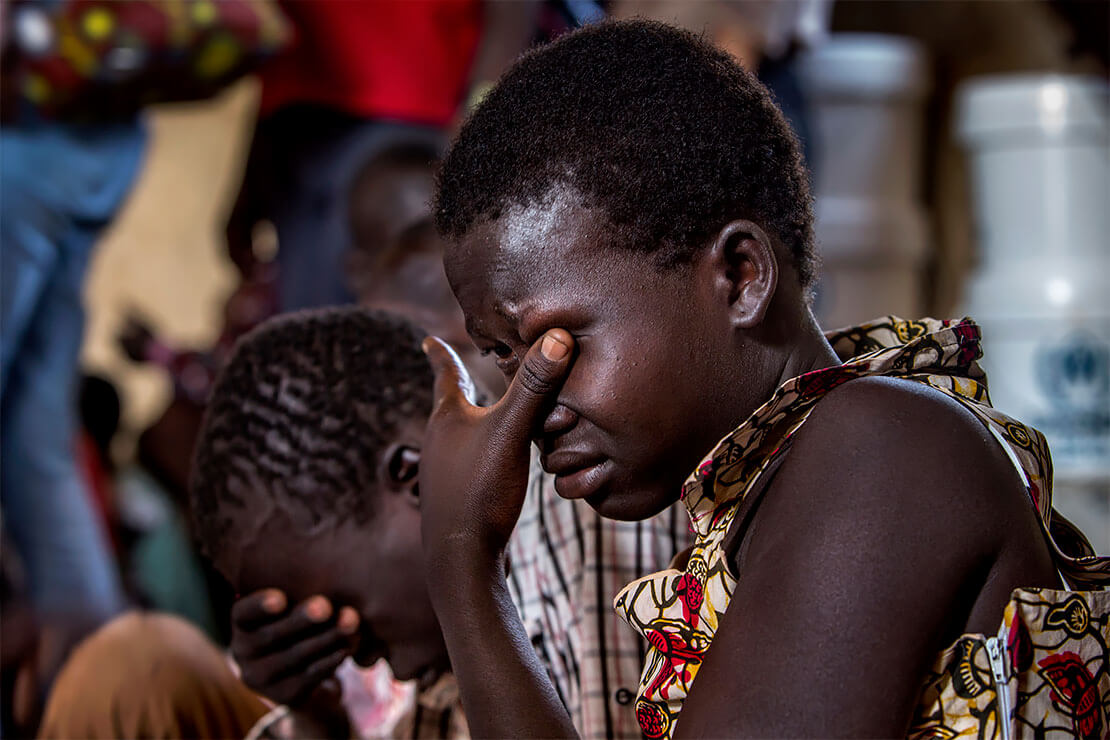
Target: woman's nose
[559, 420]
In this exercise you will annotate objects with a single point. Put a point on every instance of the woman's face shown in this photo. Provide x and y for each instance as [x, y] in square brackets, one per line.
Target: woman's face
[642, 402]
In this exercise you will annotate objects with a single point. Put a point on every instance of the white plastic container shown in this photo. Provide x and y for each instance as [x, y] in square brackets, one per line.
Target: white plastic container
[1039, 150]
[866, 93]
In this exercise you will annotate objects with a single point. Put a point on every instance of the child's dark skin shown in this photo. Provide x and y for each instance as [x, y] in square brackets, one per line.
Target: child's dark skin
[315, 598]
[857, 571]
[286, 649]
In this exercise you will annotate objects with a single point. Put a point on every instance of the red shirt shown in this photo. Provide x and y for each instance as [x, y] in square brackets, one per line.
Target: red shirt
[400, 59]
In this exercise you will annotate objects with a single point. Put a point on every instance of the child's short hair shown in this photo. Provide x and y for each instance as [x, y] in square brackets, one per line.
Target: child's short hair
[300, 414]
[661, 130]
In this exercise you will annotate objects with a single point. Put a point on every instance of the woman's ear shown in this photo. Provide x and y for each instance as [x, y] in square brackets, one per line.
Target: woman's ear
[745, 271]
[399, 470]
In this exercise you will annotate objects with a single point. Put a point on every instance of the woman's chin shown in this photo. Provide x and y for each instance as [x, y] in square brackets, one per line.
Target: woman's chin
[629, 506]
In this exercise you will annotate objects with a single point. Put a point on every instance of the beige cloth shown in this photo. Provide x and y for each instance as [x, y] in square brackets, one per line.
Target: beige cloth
[147, 675]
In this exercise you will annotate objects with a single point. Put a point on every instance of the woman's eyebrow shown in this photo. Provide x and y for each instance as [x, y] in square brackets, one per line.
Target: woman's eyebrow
[473, 328]
[507, 312]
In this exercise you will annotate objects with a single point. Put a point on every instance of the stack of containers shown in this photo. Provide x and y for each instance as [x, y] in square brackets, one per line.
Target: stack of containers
[866, 94]
[1039, 149]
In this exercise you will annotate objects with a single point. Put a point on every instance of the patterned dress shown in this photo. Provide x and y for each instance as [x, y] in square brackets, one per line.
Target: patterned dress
[1045, 674]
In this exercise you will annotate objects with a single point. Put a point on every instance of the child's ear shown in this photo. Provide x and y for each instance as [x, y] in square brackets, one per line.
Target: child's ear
[745, 271]
[399, 470]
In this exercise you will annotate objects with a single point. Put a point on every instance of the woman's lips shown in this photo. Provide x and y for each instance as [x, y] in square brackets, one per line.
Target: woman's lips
[583, 480]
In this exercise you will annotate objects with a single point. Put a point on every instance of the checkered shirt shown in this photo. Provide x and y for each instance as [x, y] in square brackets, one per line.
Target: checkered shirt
[567, 563]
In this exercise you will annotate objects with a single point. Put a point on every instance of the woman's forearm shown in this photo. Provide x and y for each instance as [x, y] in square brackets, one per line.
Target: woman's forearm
[505, 689]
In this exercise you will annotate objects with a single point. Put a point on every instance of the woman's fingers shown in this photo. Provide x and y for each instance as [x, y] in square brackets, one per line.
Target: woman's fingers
[453, 384]
[536, 384]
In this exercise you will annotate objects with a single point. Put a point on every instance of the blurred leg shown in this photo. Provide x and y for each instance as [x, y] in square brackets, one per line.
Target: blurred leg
[59, 188]
[44, 498]
[29, 234]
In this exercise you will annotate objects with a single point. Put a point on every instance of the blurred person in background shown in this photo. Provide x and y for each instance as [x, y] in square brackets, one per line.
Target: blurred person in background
[360, 76]
[76, 76]
[407, 278]
[391, 192]
[395, 262]
[765, 36]
[149, 675]
[60, 185]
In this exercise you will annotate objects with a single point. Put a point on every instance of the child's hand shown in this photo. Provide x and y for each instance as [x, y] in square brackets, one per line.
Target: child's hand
[287, 654]
[474, 463]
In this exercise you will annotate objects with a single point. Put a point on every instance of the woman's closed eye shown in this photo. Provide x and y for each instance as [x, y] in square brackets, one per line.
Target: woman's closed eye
[499, 350]
[506, 358]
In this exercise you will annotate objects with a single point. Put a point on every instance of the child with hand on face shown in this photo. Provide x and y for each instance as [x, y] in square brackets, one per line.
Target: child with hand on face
[566, 559]
[304, 496]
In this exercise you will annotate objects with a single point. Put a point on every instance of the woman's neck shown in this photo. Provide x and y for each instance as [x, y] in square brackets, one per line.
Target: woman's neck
[810, 352]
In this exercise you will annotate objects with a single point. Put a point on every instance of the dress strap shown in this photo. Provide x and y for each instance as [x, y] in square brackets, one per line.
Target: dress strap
[745, 512]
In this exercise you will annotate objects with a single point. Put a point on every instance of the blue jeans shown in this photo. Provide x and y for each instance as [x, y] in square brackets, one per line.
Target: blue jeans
[59, 187]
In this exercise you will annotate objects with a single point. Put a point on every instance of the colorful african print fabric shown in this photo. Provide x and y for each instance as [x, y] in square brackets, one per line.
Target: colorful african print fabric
[82, 59]
[1051, 657]
[1044, 675]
